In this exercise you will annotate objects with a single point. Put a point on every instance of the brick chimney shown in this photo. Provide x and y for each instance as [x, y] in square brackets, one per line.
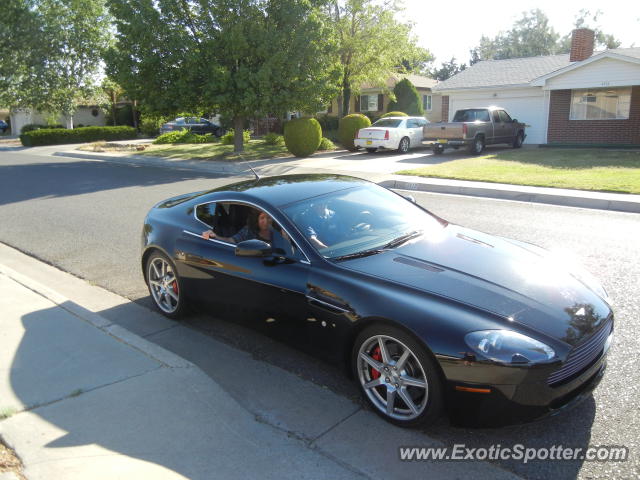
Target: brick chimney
[582, 40]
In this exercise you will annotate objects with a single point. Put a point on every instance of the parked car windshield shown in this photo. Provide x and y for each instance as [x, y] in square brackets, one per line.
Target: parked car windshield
[387, 122]
[360, 220]
[472, 115]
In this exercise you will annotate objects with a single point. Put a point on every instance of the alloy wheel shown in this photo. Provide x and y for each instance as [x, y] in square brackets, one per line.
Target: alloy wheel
[392, 377]
[163, 284]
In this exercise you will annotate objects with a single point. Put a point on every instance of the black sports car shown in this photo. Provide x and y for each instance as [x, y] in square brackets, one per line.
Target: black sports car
[427, 314]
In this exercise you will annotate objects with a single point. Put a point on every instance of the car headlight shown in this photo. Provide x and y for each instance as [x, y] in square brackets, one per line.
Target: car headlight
[506, 346]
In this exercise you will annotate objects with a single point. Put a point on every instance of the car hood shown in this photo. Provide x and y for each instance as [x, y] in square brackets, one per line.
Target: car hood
[520, 282]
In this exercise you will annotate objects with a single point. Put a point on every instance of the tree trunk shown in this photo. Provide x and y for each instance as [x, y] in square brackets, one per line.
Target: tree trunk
[113, 106]
[69, 121]
[340, 115]
[346, 95]
[238, 127]
[135, 114]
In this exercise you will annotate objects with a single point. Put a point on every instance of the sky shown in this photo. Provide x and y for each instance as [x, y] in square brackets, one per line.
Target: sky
[451, 28]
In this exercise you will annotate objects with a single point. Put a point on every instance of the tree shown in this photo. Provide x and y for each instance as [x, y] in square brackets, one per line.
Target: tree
[241, 57]
[407, 99]
[54, 54]
[530, 36]
[602, 40]
[447, 70]
[372, 44]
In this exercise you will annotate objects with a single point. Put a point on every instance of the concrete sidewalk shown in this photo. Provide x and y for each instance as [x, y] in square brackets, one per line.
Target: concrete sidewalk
[86, 398]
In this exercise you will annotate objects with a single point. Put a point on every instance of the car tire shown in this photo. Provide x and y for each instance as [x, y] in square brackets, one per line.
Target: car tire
[165, 285]
[477, 146]
[404, 145]
[390, 383]
[517, 143]
[438, 149]
[372, 150]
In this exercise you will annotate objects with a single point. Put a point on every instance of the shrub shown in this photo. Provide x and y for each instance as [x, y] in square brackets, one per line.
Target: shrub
[407, 98]
[229, 137]
[302, 136]
[57, 136]
[150, 124]
[327, 122]
[326, 144]
[273, 139]
[30, 127]
[394, 114]
[348, 127]
[184, 136]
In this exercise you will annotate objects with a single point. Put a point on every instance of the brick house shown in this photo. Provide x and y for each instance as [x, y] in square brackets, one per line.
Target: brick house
[580, 98]
[375, 100]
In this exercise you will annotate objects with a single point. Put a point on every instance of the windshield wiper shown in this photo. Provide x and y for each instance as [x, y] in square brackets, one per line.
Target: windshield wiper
[364, 253]
[396, 242]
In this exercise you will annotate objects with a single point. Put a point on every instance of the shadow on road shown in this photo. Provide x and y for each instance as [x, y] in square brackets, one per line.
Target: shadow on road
[45, 180]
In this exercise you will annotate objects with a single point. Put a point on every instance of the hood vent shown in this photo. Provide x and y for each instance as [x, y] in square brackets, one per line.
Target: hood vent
[418, 264]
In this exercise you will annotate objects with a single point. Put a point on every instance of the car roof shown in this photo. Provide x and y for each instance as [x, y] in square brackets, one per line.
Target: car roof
[278, 191]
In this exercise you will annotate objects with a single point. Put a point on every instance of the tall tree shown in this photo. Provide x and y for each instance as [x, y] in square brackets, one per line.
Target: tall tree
[55, 52]
[447, 70]
[241, 57]
[530, 36]
[585, 19]
[372, 44]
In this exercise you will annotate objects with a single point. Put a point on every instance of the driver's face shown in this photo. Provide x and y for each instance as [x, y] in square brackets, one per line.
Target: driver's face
[264, 221]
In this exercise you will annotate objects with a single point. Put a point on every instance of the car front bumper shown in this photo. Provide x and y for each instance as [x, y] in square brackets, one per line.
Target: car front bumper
[495, 404]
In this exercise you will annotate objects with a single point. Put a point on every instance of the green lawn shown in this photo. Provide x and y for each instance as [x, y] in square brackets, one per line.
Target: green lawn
[254, 150]
[584, 169]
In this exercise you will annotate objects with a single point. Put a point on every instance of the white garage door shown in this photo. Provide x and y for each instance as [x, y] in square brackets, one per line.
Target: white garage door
[529, 110]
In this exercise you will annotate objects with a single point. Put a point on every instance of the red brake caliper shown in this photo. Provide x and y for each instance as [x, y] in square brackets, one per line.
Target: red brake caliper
[376, 356]
[174, 285]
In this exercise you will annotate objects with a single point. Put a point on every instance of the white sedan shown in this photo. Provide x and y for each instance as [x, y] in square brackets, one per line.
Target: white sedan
[394, 133]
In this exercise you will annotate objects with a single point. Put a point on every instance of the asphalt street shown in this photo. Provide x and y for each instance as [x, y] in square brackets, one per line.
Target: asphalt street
[85, 217]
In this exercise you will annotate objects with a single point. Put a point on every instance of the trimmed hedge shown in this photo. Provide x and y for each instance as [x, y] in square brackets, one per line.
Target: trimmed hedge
[57, 136]
[394, 114]
[407, 98]
[184, 136]
[348, 127]
[273, 138]
[302, 136]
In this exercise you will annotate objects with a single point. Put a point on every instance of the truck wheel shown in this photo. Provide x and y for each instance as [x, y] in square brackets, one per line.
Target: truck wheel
[477, 146]
[371, 150]
[517, 143]
[438, 149]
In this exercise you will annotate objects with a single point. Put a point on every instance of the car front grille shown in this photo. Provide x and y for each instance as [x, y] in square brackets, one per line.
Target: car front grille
[582, 356]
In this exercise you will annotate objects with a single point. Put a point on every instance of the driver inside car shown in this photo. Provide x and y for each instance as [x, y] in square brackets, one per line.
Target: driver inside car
[260, 227]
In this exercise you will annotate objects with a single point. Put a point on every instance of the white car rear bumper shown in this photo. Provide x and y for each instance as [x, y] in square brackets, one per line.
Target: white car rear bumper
[373, 143]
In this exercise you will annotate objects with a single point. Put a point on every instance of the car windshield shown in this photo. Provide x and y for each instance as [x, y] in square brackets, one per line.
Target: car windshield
[359, 221]
[472, 115]
[387, 122]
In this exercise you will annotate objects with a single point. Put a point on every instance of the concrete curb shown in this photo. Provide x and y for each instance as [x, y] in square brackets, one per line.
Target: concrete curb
[167, 358]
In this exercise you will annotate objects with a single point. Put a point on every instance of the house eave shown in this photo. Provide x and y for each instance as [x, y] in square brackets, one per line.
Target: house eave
[446, 91]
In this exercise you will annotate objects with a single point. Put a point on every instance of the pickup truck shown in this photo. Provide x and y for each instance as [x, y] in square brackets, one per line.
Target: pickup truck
[474, 128]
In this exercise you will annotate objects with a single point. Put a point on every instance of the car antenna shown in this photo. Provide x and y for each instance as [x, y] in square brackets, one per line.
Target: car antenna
[254, 172]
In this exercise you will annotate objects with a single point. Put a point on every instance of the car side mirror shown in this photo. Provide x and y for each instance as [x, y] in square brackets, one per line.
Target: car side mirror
[411, 198]
[514, 120]
[253, 248]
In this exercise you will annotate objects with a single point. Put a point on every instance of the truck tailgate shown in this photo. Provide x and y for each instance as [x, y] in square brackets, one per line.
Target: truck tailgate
[448, 131]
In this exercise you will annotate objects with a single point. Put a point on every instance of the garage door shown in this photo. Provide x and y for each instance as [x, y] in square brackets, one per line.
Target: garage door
[529, 110]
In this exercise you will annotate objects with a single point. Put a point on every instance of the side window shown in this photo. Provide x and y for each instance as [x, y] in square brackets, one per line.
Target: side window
[496, 116]
[422, 123]
[483, 116]
[504, 116]
[412, 123]
[180, 121]
[237, 222]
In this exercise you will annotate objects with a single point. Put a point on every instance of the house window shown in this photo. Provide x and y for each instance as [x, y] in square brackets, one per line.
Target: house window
[426, 103]
[600, 104]
[369, 103]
